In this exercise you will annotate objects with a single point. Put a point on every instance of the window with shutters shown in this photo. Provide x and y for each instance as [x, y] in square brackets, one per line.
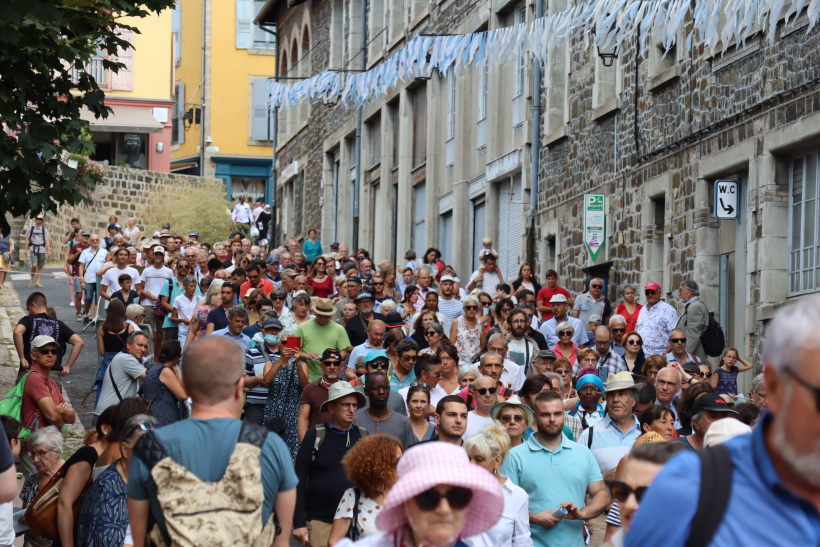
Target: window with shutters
[244, 20]
[282, 121]
[375, 28]
[354, 35]
[483, 84]
[419, 126]
[374, 140]
[804, 231]
[393, 112]
[107, 79]
[178, 124]
[299, 186]
[176, 30]
[419, 214]
[519, 77]
[261, 38]
[261, 116]
[450, 146]
[337, 38]
[304, 71]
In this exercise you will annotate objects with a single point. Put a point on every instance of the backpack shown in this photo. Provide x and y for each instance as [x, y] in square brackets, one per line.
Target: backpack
[713, 340]
[41, 235]
[226, 512]
[320, 438]
[715, 491]
[12, 405]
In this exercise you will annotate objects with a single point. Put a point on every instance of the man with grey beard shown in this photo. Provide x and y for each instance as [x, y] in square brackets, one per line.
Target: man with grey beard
[707, 498]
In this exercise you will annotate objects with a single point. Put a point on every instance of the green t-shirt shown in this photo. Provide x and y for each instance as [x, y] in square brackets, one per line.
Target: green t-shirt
[316, 339]
[176, 290]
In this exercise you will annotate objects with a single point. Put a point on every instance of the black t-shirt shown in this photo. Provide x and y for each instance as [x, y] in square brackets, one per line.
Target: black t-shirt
[41, 324]
[357, 328]
[132, 297]
[219, 317]
[87, 454]
[539, 339]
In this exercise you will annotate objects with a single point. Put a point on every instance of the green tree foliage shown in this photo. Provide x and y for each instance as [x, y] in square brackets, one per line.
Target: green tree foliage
[40, 40]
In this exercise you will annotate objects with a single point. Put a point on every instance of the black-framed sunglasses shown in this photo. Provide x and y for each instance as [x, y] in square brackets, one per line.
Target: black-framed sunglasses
[678, 340]
[814, 390]
[484, 390]
[330, 363]
[430, 333]
[565, 333]
[704, 374]
[648, 292]
[457, 498]
[596, 286]
[47, 351]
[379, 365]
[470, 307]
[621, 491]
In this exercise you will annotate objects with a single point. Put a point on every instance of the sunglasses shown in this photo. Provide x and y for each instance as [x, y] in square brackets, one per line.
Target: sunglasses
[47, 351]
[621, 491]
[379, 365]
[596, 286]
[678, 340]
[331, 363]
[563, 371]
[506, 310]
[647, 292]
[142, 426]
[618, 330]
[565, 333]
[470, 307]
[378, 284]
[275, 298]
[635, 342]
[484, 390]
[430, 333]
[507, 418]
[704, 374]
[419, 385]
[457, 498]
[814, 391]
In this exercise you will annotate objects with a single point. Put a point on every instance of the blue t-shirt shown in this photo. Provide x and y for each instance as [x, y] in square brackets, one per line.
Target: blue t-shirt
[204, 447]
[727, 380]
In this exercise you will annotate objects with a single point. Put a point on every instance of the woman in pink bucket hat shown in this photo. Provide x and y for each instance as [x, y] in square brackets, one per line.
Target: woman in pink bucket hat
[440, 497]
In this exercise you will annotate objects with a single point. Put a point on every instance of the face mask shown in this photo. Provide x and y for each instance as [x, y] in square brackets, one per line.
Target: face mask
[272, 339]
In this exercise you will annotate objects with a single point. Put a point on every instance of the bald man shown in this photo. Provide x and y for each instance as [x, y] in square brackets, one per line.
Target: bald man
[214, 379]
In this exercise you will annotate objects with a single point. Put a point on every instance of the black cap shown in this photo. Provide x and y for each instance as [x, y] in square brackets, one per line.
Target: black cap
[355, 279]
[331, 353]
[710, 401]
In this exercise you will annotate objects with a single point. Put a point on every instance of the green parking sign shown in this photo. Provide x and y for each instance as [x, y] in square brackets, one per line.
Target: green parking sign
[594, 223]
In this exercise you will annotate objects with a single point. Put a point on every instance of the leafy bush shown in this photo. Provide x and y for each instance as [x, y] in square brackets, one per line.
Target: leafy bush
[189, 207]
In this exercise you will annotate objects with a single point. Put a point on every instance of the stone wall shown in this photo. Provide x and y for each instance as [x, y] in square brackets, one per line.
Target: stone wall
[121, 193]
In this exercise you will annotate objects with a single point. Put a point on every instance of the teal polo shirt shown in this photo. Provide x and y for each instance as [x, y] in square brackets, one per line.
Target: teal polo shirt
[397, 384]
[610, 444]
[551, 478]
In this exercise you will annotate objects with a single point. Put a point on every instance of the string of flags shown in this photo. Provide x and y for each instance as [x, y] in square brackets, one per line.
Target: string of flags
[604, 23]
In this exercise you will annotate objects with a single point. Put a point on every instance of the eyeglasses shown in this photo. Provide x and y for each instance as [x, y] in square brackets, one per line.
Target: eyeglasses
[563, 371]
[506, 310]
[144, 426]
[46, 351]
[814, 390]
[379, 388]
[430, 333]
[648, 292]
[275, 298]
[618, 330]
[379, 365]
[41, 454]
[678, 340]
[704, 374]
[420, 385]
[507, 418]
[565, 333]
[671, 385]
[411, 358]
[378, 284]
[634, 342]
[596, 286]
[486, 304]
[470, 307]
[346, 406]
[621, 491]
[589, 389]
[484, 390]
[457, 498]
[331, 363]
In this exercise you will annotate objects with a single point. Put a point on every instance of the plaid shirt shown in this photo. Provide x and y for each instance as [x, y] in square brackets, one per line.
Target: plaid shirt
[613, 362]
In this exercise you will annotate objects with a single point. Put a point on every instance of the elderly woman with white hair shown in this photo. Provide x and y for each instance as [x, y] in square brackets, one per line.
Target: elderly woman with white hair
[565, 348]
[46, 447]
[489, 448]
[467, 332]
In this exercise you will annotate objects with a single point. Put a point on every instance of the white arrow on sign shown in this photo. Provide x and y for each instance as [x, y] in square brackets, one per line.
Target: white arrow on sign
[727, 196]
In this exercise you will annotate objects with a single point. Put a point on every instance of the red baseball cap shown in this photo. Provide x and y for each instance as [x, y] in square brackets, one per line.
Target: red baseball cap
[652, 286]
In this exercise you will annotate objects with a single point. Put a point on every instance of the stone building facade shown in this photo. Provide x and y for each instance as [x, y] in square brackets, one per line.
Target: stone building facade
[446, 160]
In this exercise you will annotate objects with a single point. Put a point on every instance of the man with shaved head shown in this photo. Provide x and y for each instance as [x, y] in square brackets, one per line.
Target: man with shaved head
[214, 379]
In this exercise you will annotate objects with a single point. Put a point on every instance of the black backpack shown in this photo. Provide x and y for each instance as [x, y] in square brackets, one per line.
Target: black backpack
[713, 339]
[715, 491]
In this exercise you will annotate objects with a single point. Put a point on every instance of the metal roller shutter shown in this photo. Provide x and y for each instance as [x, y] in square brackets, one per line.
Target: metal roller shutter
[509, 227]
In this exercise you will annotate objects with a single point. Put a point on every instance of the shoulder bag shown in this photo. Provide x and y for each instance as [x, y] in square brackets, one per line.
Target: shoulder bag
[41, 514]
[353, 531]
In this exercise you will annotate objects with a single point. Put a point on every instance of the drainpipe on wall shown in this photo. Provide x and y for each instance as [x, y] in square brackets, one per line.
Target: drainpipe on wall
[358, 175]
[270, 187]
[536, 146]
[202, 94]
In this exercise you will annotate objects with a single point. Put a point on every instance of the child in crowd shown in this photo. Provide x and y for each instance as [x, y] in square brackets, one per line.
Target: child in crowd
[12, 428]
[724, 380]
[126, 295]
[488, 249]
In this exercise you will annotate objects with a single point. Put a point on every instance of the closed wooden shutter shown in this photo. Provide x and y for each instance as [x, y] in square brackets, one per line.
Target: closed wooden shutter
[419, 197]
[123, 79]
[260, 123]
[509, 227]
[244, 13]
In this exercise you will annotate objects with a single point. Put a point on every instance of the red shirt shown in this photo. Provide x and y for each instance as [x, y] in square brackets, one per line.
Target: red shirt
[546, 294]
[314, 395]
[323, 289]
[37, 387]
[266, 286]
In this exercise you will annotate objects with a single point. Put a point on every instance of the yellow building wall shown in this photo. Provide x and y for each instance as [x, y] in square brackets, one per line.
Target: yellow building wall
[231, 88]
[230, 71]
[153, 58]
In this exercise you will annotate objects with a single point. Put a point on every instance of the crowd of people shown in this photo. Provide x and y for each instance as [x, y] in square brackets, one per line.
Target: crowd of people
[292, 393]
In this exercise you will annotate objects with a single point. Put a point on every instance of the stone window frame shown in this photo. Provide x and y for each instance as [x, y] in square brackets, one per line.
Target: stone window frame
[806, 279]
[664, 66]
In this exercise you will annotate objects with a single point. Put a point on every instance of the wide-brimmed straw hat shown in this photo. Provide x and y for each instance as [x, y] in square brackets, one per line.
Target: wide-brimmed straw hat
[515, 401]
[339, 390]
[620, 381]
[428, 465]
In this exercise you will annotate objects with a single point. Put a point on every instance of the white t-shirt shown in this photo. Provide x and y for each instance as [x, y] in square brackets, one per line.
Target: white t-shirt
[92, 261]
[7, 523]
[368, 509]
[491, 281]
[110, 278]
[154, 278]
[185, 309]
[474, 424]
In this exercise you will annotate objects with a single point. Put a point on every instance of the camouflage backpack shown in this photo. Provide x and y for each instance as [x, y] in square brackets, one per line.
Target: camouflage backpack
[226, 512]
